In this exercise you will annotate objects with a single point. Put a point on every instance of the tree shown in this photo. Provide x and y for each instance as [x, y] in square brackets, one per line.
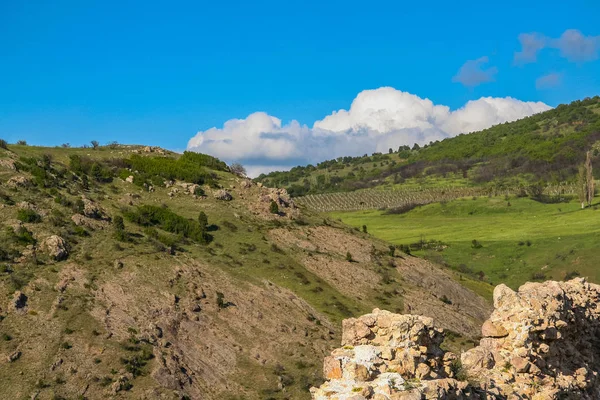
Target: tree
[416, 146]
[585, 182]
[95, 144]
[364, 227]
[203, 221]
[118, 222]
[390, 151]
[237, 169]
[348, 256]
[22, 142]
[274, 208]
[119, 226]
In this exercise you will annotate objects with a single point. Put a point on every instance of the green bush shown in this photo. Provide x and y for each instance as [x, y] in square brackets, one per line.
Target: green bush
[27, 215]
[21, 235]
[3, 144]
[190, 167]
[274, 208]
[147, 215]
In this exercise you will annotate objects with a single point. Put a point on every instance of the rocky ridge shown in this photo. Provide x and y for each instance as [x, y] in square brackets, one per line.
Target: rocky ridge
[539, 343]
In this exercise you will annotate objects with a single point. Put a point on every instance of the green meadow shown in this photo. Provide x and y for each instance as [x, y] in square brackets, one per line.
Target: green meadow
[516, 239]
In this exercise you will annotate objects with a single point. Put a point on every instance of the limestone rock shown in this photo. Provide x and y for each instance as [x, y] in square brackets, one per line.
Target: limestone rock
[55, 247]
[18, 302]
[223, 195]
[539, 343]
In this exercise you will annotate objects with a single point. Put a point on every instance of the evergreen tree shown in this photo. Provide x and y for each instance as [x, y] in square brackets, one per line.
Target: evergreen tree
[274, 208]
[203, 221]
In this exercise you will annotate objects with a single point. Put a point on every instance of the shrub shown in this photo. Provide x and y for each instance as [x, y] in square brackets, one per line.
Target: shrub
[476, 244]
[538, 276]
[3, 144]
[348, 256]
[147, 215]
[27, 215]
[273, 207]
[364, 229]
[198, 191]
[22, 142]
[21, 235]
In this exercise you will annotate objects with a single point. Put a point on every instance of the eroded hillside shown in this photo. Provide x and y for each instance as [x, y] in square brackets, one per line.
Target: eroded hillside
[131, 272]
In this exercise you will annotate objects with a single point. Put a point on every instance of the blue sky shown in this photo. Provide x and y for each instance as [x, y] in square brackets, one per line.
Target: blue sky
[158, 72]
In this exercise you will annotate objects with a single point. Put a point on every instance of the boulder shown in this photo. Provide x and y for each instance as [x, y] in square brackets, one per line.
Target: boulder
[55, 247]
[223, 195]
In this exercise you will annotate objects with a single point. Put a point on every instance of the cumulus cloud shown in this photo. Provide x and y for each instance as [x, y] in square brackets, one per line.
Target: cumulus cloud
[572, 45]
[377, 120]
[472, 73]
[548, 81]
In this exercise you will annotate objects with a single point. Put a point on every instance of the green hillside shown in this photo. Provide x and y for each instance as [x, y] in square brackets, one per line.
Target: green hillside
[547, 146]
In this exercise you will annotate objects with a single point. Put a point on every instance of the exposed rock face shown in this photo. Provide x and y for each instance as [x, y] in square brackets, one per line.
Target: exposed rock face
[539, 343]
[8, 164]
[544, 343]
[18, 181]
[386, 355]
[82, 220]
[55, 247]
[91, 209]
[223, 195]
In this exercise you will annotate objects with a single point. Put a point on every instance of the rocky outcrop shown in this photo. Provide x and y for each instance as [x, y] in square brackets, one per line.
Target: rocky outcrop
[92, 210]
[56, 247]
[542, 341]
[539, 343]
[386, 355]
[18, 181]
[223, 195]
[87, 222]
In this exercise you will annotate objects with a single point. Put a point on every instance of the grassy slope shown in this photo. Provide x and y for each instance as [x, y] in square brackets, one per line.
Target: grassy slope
[563, 237]
[234, 263]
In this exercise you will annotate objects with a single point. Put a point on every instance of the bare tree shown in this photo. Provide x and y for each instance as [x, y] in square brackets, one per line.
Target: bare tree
[589, 178]
[237, 169]
[585, 182]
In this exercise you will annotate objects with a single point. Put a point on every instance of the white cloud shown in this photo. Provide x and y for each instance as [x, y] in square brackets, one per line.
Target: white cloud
[572, 45]
[376, 120]
[472, 73]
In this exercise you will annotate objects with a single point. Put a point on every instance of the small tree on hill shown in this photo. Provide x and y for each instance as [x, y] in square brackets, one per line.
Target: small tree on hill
[585, 182]
[274, 208]
[95, 144]
[237, 169]
[364, 229]
[203, 221]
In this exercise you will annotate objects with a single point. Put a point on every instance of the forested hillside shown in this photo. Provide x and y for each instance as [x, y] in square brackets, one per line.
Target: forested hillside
[546, 147]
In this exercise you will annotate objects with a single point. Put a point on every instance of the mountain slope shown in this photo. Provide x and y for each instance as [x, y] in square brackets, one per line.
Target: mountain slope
[544, 146]
[132, 272]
